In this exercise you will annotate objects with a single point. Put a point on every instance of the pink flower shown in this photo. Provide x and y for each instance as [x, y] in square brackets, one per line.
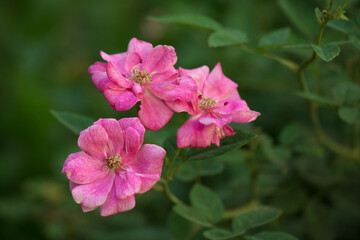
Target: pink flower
[143, 73]
[217, 103]
[113, 166]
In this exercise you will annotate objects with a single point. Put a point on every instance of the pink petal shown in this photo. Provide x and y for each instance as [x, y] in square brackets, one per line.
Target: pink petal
[132, 59]
[127, 184]
[115, 76]
[138, 90]
[244, 116]
[198, 74]
[217, 86]
[154, 113]
[222, 132]
[120, 100]
[115, 134]
[165, 76]
[114, 205]
[183, 89]
[133, 123]
[132, 144]
[142, 48]
[160, 59]
[81, 168]
[210, 119]
[182, 106]
[237, 109]
[93, 194]
[99, 76]
[117, 60]
[87, 209]
[93, 141]
[195, 134]
[148, 165]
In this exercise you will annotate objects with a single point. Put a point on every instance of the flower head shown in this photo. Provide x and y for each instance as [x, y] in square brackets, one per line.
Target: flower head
[113, 166]
[216, 104]
[143, 73]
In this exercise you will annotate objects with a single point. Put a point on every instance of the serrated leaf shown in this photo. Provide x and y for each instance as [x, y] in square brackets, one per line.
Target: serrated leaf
[275, 39]
[220, 234]
[193, 215]
[205, 200]
[255, 218]
[75, 122]
[271, 236]
[318, 99]
[355, 41]
[299, 13]
[191, 20]
[349, 115]
[327, 52]
[227, 144]
[227, 37]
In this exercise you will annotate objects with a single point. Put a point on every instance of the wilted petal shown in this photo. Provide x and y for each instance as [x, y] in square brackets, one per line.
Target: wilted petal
[115, 134]
[116, 77]
[135, 124]
[133, 143]
[183, 89]
[114, 205]
[142, 48]
[93, 141]
[195, 134]
[120, 100]
[93, 194]
[127, 184]
[159, 60]
[99, 76]
[217, 86]
[117, 60]
[81, 168]
[197, 74]
[154, 113]
[148, 165]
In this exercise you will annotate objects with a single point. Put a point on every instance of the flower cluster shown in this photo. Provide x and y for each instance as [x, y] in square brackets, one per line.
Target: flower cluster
[113, 166]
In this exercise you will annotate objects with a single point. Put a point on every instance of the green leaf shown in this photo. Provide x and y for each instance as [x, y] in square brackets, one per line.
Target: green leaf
[290, 134]
[220, 234]
[300, 14]
[179, 227]
[355, 41]
[318, 99]
[205, 200]
[318, 15]
[349, 115]
[193, 215]
[271, 236]
[191, 20]
[347, 93]
[342, 26]
[227, 144]
[227, 37]
[275, 39]
[75, 122]
[327, 52]
[255, 218]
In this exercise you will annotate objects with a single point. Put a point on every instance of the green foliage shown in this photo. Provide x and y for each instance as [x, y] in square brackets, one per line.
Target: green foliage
[221, 234]
[349, 115]
[327, 52]
[347, 93]
[73, 121]
[318, 99]
[275, 39]
[271, 236]
[227, 37]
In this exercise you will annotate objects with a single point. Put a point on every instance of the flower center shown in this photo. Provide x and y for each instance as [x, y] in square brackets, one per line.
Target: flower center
[140, 76]
[114, 162]
[206, 103]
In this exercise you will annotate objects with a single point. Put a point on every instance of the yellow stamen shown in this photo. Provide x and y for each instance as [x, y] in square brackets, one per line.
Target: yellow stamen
[206, 103]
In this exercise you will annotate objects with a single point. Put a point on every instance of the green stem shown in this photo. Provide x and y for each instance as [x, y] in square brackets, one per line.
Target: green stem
[170, 195]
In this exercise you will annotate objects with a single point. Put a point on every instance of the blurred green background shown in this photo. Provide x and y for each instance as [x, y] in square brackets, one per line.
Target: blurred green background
[46, 48]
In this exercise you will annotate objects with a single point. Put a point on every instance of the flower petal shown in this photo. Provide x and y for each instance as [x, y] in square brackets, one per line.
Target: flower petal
[217, 86]
[237, 109]
[114, 205]
[222, 132]
[165, 76]
[154, 113]
[148, 165]
[93, 194]
[159, 60]
[199, 75]
[142, 48]
[116, 59]
[81, 168]
[195, 134]
[93, 141]
[127, 184]
[120, 100]
[133, 143]
[182, 106]
[210, 119]
[115, 134]
[99, 76]
[183, 89]
[115, 76]
[134, 123]
[132, 59]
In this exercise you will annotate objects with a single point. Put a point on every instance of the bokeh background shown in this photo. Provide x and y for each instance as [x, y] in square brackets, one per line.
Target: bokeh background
[46, 48]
